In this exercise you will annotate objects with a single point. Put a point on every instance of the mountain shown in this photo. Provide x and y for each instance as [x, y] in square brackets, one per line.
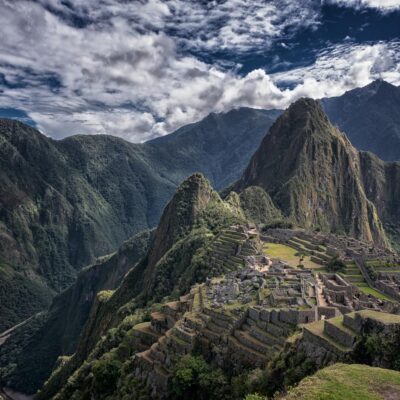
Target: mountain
[30, 353]
[319, 180]
[219, 146]
[64, 203]
[49, 229]
[165, 263]
[369, 116]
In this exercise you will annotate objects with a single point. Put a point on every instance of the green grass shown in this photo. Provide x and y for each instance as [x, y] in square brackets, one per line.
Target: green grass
[317, 328]
[287, 254]
[382, 317]
[348, 382]
[368, 290]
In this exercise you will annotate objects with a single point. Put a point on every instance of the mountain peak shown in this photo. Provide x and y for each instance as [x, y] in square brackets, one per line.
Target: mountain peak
[311, 172]
[377, 83]
[304, 111]
[303, 120]
[180, 214]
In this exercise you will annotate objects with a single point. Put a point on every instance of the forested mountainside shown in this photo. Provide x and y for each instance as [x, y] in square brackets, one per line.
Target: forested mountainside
[63, 203]
[49, 229]
[369, 116]
[318, 180]
[29, 355]
[193, 243]
[121, 354]
[178, 256]
[302, 154]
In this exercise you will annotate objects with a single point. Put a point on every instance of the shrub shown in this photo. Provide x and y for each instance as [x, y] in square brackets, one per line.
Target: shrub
[106, 373]
[254, 396]
[278, 224]
[194, 379]
[336, 265]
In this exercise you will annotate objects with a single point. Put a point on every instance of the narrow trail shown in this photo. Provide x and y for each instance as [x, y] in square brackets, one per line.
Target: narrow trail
[8, 394]
[321, 298]
[6, 334]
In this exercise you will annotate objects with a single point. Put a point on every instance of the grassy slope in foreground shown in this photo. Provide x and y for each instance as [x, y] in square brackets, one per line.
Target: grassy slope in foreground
[350, 382]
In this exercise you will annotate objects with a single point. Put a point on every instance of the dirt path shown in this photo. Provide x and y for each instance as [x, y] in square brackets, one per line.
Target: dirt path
[321, 299]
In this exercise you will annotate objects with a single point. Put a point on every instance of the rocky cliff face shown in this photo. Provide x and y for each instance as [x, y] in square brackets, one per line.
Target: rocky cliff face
[313, 174]
[381, 181]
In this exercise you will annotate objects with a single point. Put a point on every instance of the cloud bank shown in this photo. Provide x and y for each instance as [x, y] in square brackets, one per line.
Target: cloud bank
[138, 69]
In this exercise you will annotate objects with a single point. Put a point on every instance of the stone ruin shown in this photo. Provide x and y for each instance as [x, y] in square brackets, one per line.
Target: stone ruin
[242, 318]
[340, 246]
[346, 298]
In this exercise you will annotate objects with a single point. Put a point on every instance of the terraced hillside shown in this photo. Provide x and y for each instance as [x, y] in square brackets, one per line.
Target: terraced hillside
[228, 250]
[312, 251]
[384, 267]
[299, 250]
[246, 340]
[340, 336]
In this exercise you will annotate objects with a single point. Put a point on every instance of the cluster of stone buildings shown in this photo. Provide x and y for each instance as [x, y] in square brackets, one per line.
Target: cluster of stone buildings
[242, 318]
[324, 246]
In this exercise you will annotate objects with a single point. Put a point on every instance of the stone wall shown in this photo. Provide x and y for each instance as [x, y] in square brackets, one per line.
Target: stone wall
[336, 283]
[339, 335]
[327, 312]
[321, 352]
[388, 289]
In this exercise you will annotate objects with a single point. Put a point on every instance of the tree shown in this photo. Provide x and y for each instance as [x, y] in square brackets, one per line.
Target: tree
[194, 379]
[106, 373]
[336, 265]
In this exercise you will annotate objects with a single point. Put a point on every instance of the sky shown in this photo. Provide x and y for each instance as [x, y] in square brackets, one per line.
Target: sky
[141, 69]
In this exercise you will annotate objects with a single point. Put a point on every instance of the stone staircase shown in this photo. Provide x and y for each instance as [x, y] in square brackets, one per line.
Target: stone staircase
[258, 338]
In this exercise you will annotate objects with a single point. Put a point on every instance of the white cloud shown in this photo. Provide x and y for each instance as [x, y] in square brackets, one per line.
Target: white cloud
[347, 66]
[383, 5]
[123, 72]
[239, 24]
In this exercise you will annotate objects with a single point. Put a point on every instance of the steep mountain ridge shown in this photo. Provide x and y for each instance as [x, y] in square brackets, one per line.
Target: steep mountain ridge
[176, 257]
[30, 353]
[219, 146]
[313, 174]
[49, 227]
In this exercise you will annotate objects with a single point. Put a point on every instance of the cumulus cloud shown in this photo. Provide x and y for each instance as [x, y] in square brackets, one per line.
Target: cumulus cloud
[344, 67]
[116, 67]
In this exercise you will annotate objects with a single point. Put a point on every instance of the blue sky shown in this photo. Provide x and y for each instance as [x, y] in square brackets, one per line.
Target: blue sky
[140, 69]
